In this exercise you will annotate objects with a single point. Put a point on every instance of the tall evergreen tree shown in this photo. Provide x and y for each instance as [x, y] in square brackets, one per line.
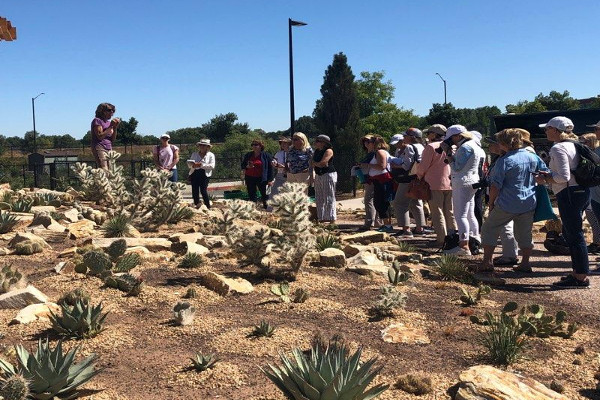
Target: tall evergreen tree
[336, 115]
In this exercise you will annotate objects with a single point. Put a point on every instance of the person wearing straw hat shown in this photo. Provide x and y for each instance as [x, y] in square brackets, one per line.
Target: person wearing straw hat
[279, 162]
[166, 156]
[202, 164]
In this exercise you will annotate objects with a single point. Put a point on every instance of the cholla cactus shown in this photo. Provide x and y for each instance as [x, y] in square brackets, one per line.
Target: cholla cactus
[183, 313]
[11, 279]
[104, 186]
[387, 302]
[254, 247]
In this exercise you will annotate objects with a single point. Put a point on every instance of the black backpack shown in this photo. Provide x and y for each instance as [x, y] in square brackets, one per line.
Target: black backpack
[587, 172]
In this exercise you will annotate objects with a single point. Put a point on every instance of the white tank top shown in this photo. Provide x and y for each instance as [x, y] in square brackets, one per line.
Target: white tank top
[374, 171]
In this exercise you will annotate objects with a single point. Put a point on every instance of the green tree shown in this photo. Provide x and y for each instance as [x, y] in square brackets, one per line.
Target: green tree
[551, 102]
[3, 144]
[305, 124]
[223, 125]
[64, 142]
[41, 141]
[127, 134]
[445, 114]
[186, 135]
[336, 114]
[479, 119]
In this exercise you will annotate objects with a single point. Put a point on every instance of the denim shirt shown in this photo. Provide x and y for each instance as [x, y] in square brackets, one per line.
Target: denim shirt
[299, 160]
[513, 175]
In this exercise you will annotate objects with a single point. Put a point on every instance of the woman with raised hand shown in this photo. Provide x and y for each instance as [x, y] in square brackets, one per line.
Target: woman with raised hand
[202, 164]
[257, 169]
[572, 199]
[325, 179]
[104, 133]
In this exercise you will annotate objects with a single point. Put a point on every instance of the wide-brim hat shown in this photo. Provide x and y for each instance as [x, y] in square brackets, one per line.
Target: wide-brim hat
[437, 129]
[204, 142]
[165, 135]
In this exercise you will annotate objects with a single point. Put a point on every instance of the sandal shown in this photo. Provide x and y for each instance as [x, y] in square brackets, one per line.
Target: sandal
[523, 268]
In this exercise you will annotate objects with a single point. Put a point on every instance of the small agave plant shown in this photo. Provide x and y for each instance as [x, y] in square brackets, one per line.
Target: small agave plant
[82, 321]
[264, 329]
[51, 373]
[329, 373]
[202, 362]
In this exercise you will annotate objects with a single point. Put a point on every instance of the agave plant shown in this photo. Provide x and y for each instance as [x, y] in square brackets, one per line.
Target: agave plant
[327, 241]
[82, 321]
[329, 373]
[118, 226]
[22, 205]
[50, 372]
[202, 362]
[264, 329]
[191, 260]
[7, 221]
[182, 213]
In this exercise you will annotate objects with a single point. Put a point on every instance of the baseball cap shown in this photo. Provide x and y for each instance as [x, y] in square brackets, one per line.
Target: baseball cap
[476, 137]
[414, 132]
[165, 135]
[438, 129]
[596, 125]
[454, 130]
[563, 124]
[396, 138]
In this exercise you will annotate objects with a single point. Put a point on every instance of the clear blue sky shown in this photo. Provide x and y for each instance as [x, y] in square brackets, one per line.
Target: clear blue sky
[175, 64]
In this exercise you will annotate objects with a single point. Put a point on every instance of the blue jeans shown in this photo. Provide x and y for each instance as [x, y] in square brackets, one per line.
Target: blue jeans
[173, 177]
[572, 202]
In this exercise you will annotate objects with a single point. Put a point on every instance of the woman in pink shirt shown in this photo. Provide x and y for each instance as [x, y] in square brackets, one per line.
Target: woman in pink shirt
[436, 173]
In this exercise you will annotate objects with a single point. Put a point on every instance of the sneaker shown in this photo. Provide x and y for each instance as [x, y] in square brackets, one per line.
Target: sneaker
[423, 232]
[404, 233]
[364, 228]
[508, 261]
[570, 282]
[523, 268]
[386, 229]
[593, 248]
[595, 271]
[458, 251]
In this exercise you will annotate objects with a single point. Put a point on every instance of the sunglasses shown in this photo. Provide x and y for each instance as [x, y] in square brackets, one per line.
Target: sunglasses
[296, 139]
[255, 144]
[111, 110]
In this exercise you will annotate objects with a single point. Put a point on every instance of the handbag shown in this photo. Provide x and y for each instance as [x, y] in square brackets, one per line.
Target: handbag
[543, 207]
[418, 189]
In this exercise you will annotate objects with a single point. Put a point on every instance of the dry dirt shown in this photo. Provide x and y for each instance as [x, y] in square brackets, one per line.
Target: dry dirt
[143, 356]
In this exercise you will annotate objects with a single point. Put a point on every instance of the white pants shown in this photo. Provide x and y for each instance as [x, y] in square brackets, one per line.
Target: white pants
[463, 204]
[325, 196]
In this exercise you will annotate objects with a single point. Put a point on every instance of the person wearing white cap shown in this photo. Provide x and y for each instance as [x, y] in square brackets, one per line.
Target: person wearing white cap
[479, 194]
[464, 165]
[410, 156]
[202, 164]
[166, 156]
[436, 172]
[571, 198]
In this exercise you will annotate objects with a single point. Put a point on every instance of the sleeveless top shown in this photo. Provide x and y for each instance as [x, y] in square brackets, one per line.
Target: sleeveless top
[376, 171]
[318, 156]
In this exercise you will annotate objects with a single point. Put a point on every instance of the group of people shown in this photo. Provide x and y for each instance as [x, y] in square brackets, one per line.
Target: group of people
[454, 166]
[450, 161]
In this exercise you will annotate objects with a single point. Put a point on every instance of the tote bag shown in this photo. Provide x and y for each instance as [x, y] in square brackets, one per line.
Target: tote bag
[419, 189]
[543, 207]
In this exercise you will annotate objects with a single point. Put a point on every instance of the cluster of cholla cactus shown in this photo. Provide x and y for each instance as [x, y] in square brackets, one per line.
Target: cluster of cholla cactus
[11, 278]
[152, 201]
[89, 213]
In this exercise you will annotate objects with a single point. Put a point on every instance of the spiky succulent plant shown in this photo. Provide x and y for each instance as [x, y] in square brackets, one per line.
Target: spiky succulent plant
[97, 262]
[183, 313]
[202, 362]
[11, 279]
[327, 241]
[127, 283]
[387, 302]
[282, 290]
[300, 295]
[28, 247]
[181, 213]
[51, 373]
[72, 297]
[22, 205]
[191, 260]
[81, 321]
[7, 221]
[264, 329]
[127, 262]
[14, 388]
[118, 226]
[191, 293]
[398, 273]
[328, 374]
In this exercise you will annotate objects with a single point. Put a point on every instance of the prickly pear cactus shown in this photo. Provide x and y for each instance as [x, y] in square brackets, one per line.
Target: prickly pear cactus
[97, 262]
[127, 262]
[11, 279]
[116, 249]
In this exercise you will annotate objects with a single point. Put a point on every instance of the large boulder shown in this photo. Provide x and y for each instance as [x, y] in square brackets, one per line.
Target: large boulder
[223, 285]
[194, 237]
[365, 263]
[34, 312]
[81, 229]
[40, 209]
[399, 333]
[71, 215]
[22, 297]
[366, 237]
[332, 257]
[213, 241]
[27, 237]
[484, 382]
[352, 249]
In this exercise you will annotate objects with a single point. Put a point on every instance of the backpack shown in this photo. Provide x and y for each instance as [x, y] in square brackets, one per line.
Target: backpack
[587, 172]
[452, 240]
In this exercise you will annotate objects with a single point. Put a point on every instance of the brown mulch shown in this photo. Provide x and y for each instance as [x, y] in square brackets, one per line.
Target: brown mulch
[144, 356]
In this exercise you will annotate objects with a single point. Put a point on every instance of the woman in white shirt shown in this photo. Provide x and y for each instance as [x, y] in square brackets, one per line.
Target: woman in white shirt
[572, 199]
[279, 162]
[201, 163]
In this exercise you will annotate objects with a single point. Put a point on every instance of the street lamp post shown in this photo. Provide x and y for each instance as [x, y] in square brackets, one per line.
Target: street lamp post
[291, 23]
[444, 86]
[33, 111]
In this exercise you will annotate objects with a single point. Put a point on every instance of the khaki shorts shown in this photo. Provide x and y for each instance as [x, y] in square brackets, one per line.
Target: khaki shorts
[100, 154]
[497, 218]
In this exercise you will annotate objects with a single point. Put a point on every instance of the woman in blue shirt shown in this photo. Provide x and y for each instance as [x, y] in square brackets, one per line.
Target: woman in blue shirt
[512, 197]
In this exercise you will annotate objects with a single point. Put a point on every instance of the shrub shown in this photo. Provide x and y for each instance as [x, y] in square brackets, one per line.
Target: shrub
[327, 374]
[81, 321]
[7, 221]
[414, 384]
[50, 372]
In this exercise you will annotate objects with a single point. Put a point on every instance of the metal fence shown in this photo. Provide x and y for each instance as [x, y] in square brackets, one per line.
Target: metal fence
[59, 175]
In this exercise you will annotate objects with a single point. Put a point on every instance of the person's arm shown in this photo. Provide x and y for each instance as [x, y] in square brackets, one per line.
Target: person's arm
[209, 165]
[326, 157]
[155, 156]
[408, 158]
[559, 165]
[425, 163]
[310, 164]
[461, 158]
[115, 124]
[175, 159]
[494, 192]
[381, 158]
[102, 133]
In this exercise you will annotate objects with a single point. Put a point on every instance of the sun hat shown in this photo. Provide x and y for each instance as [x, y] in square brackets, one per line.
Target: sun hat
[596, 125]
[563, 124]
[454, 130]
[204, 142]
[414, 132]
[438, 129]
[396, 138]
[476, 136]
[165, 135]
[323, 138]
[526, 137]
[284, 139]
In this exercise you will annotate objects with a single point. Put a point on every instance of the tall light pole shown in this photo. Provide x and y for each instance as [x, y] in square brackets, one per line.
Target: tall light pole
[33, 111]
[291, 23]
[444, 86]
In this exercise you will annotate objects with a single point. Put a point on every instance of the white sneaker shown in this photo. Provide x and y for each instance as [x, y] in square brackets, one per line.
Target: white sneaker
[458, 251]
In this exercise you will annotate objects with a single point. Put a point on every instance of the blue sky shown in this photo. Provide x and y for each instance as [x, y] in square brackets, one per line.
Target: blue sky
[175, 64]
